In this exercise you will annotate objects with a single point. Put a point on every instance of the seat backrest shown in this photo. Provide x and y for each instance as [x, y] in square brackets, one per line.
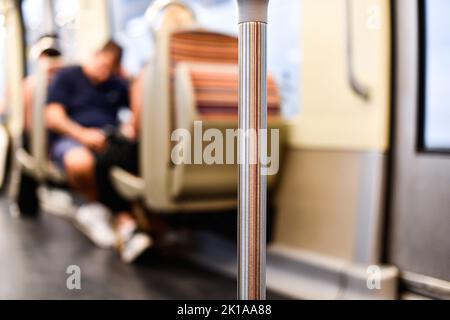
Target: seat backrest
[156, 114]
[178, 42]
[174, 46]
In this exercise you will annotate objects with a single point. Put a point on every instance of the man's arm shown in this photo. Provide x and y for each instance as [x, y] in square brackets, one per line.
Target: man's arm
[28, 89]
[58, 121]
[131, 128]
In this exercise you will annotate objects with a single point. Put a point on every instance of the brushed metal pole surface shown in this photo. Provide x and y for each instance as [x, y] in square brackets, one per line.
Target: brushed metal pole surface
[252, 183]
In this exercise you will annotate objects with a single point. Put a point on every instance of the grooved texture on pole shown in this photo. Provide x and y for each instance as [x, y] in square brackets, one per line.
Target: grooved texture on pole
[252, 184]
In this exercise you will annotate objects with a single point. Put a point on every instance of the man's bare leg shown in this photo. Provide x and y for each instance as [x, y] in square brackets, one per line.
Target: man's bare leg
[80, 169]
[93, 219]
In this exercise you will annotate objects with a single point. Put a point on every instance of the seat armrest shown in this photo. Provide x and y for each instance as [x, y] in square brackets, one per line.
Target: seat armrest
[127, 185]
[26, 162]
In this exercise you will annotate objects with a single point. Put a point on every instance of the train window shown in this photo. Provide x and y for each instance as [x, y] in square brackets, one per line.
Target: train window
[45, 17]
[33, 16]
[131, 31]
[284, 59]
[435, 133]
[66, 19]
[33, 12]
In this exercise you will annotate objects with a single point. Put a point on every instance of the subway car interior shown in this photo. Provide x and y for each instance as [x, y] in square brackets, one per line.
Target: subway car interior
[121, 149]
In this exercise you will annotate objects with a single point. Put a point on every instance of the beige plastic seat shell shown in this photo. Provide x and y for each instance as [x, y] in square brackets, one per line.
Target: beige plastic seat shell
[36, 163]
[31, 167]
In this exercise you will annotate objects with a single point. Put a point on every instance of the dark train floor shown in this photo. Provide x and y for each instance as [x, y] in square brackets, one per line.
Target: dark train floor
[35, 254]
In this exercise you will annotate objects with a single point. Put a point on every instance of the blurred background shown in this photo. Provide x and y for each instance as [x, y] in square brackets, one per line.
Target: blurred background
[360, 208]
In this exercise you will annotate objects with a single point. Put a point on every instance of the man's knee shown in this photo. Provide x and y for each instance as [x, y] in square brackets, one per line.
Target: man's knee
[79, 162]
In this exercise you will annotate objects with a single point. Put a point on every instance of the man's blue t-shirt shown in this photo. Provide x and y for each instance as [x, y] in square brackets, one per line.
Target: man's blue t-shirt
[88, 104]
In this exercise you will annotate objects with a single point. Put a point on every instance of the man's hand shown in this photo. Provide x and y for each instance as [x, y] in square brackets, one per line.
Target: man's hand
[94, 139]
[58, 121]
[129, 131]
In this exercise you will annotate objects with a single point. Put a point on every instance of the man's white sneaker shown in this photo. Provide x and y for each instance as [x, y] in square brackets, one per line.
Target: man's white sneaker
[94, 220]
[134, 247]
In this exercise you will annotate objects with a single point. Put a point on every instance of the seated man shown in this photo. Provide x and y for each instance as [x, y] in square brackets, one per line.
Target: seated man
[83, 101]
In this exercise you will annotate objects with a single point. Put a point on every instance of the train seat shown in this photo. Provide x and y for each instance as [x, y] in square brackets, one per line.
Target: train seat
[188, 62]
[35, 162]
[207, 93]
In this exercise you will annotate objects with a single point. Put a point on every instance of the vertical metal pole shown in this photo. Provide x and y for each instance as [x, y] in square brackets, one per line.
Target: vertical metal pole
[253, 124]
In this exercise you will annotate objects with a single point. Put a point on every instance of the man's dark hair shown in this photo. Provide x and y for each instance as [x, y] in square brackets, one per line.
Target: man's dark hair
[51, 53]
[115, 49]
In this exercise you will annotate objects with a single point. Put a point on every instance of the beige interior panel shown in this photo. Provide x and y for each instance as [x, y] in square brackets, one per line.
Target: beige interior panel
[331, 202]
[155, 153]
[333, 116]
[331, 192]
[317, 202]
